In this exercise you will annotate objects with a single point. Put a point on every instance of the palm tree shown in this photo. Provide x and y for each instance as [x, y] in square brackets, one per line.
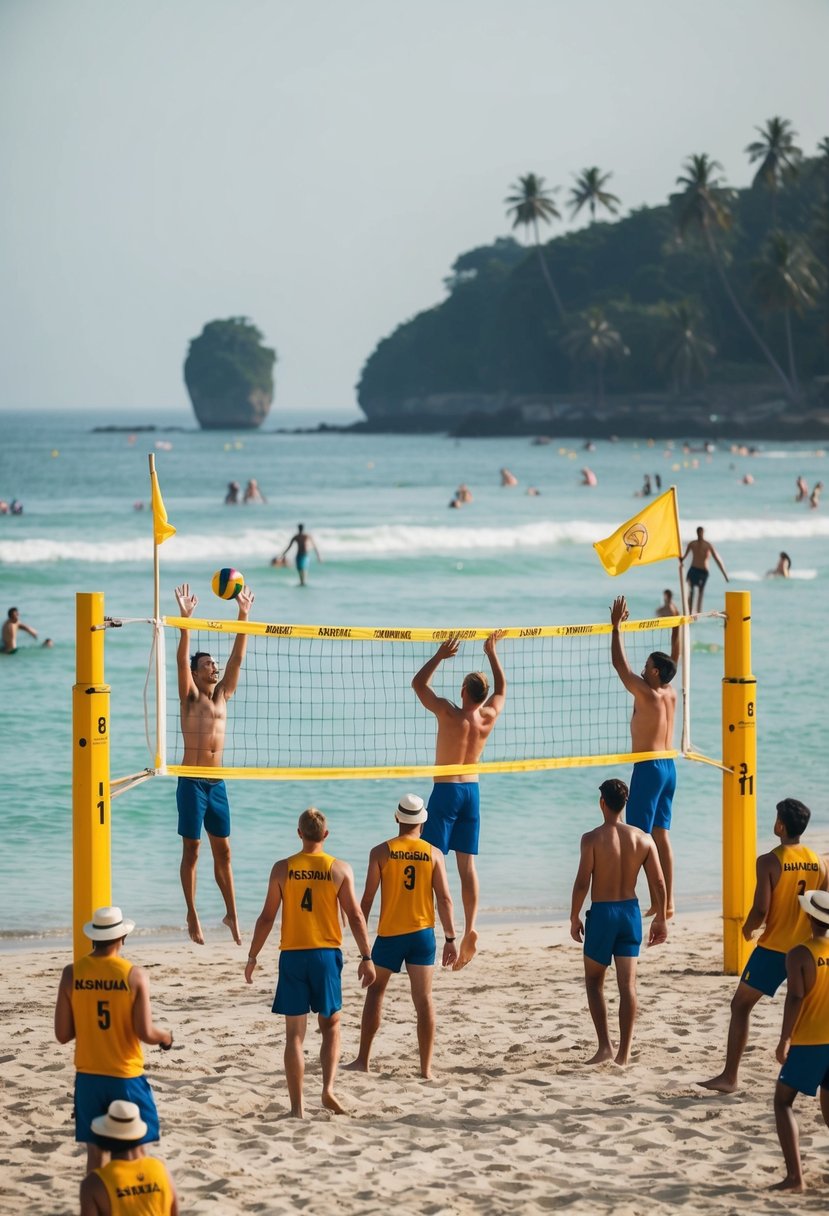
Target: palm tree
[687, 351]
[594, 341]
[528, 204]
[785, 281]
[590, 189]
[779, 157]
[703, 206]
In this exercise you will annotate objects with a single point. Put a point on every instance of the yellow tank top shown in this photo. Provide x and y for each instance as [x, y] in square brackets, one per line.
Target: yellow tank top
[787, 925]
[137, 1188]
[310, 911]
[105, 1042]
[812, 1025]
[406, 900]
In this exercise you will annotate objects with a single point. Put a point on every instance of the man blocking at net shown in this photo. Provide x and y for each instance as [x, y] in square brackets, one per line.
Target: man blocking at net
[653, 783]
[200, 800]
[611, 857]
[454, 806]
[782, 875]
[311, 887]
[411, 875]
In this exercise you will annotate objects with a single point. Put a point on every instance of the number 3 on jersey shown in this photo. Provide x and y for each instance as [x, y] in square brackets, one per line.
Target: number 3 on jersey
[409, 877]
[307, 903]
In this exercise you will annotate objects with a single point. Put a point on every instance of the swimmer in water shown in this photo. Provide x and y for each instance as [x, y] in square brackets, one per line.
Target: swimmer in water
[782, 569]
[9, 632]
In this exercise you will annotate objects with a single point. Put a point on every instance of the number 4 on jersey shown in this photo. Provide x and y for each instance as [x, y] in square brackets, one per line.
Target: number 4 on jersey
[306, 902]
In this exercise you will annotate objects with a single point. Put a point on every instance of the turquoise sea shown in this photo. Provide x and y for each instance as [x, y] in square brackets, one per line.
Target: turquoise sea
[393, 555]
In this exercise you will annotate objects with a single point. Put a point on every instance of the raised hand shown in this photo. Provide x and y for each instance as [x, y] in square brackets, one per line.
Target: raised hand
[186, 602]
[492, 641]
[245, 600]
[619, 611]
[449, 648]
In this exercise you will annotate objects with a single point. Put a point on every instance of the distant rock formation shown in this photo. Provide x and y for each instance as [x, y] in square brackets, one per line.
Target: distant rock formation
[229, 376]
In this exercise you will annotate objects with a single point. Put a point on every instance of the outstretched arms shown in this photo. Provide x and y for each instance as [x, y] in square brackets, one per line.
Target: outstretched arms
[187, 604]
[618, 614]
[230, 681]
[499, 680]
[422, 681]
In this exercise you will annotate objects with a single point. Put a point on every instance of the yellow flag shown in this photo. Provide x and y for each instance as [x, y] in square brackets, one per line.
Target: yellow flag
[161, 529]
[651, 536]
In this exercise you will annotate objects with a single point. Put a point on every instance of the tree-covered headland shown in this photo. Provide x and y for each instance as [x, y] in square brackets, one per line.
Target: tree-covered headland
[229, 375]
[708, 310]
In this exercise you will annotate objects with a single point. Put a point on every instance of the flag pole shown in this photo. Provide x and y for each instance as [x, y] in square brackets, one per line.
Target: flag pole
[685, 744]
[156, 621]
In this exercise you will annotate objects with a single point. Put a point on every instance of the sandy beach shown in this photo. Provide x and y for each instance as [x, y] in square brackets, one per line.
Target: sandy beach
[513, 1121]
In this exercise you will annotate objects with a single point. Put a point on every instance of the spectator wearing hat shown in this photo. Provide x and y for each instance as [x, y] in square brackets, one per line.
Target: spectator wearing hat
[103, 1004]
[411, 875]
[312, 888]
[131, 1181]
[803, 1049]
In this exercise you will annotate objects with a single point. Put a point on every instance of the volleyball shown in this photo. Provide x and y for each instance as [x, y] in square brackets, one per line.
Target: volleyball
[227, 583]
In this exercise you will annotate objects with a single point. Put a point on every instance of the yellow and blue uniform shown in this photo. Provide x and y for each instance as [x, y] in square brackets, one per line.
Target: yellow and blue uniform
[454, 817]
[612, 928]
[108, 1056]
[137, 1188]
[807, 1064]
[787, 925]
[406, 933]
[311, 960]
[652, 789]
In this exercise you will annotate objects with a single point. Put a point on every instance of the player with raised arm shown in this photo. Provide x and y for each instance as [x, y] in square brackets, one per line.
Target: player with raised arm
[203, 800]
[462, 731]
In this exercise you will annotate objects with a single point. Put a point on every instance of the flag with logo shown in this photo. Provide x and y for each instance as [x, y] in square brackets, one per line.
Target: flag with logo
[651, 536]
[161, 529]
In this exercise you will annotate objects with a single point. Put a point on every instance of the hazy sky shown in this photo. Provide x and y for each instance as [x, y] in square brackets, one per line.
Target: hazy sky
[317, 166]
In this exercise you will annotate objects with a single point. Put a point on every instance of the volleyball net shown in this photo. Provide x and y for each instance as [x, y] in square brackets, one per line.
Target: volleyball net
[336, 702]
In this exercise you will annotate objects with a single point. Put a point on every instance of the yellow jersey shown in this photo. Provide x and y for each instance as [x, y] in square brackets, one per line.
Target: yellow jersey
[105, 1042]
[137, 1188]
[812, 1025]
[407, 902]
[787, 925]
[310, 911]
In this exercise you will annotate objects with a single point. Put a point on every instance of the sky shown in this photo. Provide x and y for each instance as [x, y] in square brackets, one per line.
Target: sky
[317, 167]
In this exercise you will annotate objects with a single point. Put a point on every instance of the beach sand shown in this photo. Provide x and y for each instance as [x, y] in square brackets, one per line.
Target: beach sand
[512, 1122]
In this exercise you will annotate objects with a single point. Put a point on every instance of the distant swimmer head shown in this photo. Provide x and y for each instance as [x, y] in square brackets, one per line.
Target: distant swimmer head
[411, 810]
[13, 614]
[700, 533]
[476, 687]
[312, 825]
[300, 527]
[793, 816]
[614, 794]
[659, 669]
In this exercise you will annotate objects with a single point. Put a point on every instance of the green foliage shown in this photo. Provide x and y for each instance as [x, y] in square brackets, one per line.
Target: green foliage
[228, 356]
[664, 278]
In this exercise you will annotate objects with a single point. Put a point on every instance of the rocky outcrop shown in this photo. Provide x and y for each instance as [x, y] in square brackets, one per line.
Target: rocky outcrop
[235, 410]
[229, 376]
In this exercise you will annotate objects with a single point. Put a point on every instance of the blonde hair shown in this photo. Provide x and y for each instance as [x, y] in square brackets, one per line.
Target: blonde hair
[477, 685]
[312, 825]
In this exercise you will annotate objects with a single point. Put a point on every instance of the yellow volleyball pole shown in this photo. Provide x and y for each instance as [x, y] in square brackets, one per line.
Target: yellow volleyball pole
[739, 791]
[91, 853]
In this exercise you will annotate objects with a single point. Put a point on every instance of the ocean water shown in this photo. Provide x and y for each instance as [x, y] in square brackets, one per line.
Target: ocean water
[393, 554]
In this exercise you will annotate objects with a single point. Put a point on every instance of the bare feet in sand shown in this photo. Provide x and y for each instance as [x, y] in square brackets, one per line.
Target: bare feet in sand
[233, 925]
[604, 1053]
[357, 1065]
[468, 950]
[194, 929]
[331, 1103]
[789, 1184]
[720, 1083]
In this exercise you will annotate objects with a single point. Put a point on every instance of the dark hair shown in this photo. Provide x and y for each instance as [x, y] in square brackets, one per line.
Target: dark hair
[11, 610]
[668, 591]
[301, 527]
[615, 794]
[664, 665]
[477, 685]
[194, 659]
[312, 825]
[793, 815]
[110, 1145]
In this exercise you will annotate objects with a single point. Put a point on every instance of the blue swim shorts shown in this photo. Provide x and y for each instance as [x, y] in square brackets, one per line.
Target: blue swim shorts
[416, 949]
[806, 1068]
[652, 788]
[765, 970]
[697, 576]
[93, 1095]
[302, 560]
[200, 801]
[612, 927]
[309, 981]
[454, 817]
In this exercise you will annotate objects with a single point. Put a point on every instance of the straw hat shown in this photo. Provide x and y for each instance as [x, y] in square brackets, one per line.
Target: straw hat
[121, 1122]
[410, 809]
[816, 904]
[107, 925]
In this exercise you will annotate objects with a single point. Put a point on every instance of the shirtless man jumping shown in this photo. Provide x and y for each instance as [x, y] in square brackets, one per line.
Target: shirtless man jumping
[701, 551]
[611, 857]
[653, 783]
[204, 699]
[454, 806]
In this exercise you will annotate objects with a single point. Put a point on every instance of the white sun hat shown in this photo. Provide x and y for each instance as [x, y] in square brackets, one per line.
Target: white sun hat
[410, 809]
[108, 924]
[816, 904]
[121, 1122]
